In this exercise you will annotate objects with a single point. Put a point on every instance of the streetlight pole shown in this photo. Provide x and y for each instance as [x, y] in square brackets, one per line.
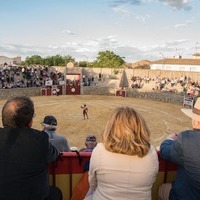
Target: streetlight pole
[196, 46]
[86, 60]
[163, 59]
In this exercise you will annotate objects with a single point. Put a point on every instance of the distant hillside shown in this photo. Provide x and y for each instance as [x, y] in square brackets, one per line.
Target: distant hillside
[143, 64]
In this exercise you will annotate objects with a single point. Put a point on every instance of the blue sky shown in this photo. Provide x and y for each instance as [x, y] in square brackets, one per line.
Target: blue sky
[134, 29]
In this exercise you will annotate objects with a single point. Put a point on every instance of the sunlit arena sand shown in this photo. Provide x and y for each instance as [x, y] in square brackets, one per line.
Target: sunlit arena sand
[162, 118]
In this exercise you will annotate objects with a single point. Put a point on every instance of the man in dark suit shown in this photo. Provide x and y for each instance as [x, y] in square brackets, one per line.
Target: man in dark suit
[24, 154]
[183, 149]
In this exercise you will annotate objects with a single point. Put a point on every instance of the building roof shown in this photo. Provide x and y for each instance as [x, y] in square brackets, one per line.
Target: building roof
[141, 63]
[177, 61]
[196, 54]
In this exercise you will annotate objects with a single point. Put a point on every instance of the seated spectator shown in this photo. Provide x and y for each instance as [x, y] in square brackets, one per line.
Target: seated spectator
[182, 149]
[90, 143]
[49, 125]
[124, 166]
[24, 154]
[82, 186]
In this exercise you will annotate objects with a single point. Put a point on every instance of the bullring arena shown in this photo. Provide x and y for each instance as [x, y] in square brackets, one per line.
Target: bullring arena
[162, 118]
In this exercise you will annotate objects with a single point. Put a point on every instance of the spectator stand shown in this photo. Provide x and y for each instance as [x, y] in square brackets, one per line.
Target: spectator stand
[47, 90]
[61, 87]
[188, 101]
[73, 84]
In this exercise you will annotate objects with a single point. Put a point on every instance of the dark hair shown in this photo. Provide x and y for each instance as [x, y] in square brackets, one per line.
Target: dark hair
[50, 120]
[91, 138]
[17, 112]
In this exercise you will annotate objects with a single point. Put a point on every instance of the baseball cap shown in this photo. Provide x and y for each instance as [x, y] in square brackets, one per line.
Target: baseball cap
[50, 120]
[91, 138]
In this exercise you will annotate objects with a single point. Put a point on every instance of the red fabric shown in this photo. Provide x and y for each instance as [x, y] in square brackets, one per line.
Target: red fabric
[81, 188]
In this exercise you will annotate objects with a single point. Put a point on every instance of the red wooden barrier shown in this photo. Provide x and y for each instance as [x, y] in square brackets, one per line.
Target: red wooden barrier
[68, 169]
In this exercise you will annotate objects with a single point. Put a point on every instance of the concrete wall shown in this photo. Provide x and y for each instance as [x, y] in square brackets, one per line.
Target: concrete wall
[110, 73]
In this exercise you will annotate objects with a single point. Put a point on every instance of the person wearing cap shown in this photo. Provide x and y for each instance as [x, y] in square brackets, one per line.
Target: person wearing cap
[183, 150]
[49, 125]
[82, 186]
[90, 143]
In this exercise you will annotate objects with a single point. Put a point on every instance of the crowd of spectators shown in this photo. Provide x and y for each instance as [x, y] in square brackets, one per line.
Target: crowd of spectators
[38, 76]
[182, 84]
[28, 76]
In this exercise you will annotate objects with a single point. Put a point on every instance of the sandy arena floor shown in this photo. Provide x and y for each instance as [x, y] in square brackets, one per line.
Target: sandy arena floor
[162, 118]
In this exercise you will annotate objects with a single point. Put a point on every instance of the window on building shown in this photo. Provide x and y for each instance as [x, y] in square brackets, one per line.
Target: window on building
[168, 67]
[158, 67]
[182, 68]
[193, 69]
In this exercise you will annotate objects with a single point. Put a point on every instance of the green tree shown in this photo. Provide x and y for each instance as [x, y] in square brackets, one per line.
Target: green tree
[56, 60]
[49, 61]
[108, 59]
[68, 59]
[83, 64]
[34, 60]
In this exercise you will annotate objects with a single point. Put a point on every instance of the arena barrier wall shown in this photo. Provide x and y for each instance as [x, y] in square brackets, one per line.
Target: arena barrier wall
[68, 169]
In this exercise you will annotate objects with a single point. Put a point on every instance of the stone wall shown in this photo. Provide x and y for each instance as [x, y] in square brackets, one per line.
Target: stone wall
[155, 96]
[8, 93]
[15, 60]
[94, 90]
[110, 84]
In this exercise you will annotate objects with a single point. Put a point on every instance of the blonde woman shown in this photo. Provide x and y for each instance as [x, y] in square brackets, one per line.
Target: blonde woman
[125, 164]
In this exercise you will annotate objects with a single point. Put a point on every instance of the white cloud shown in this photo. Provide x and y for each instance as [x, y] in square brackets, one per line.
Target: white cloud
[142, 18]
[121, 10]
[175, 4]
[68, 32]
[187, 23]
[91, 47]
[125, 12]
[178, 4]
[115, 3]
